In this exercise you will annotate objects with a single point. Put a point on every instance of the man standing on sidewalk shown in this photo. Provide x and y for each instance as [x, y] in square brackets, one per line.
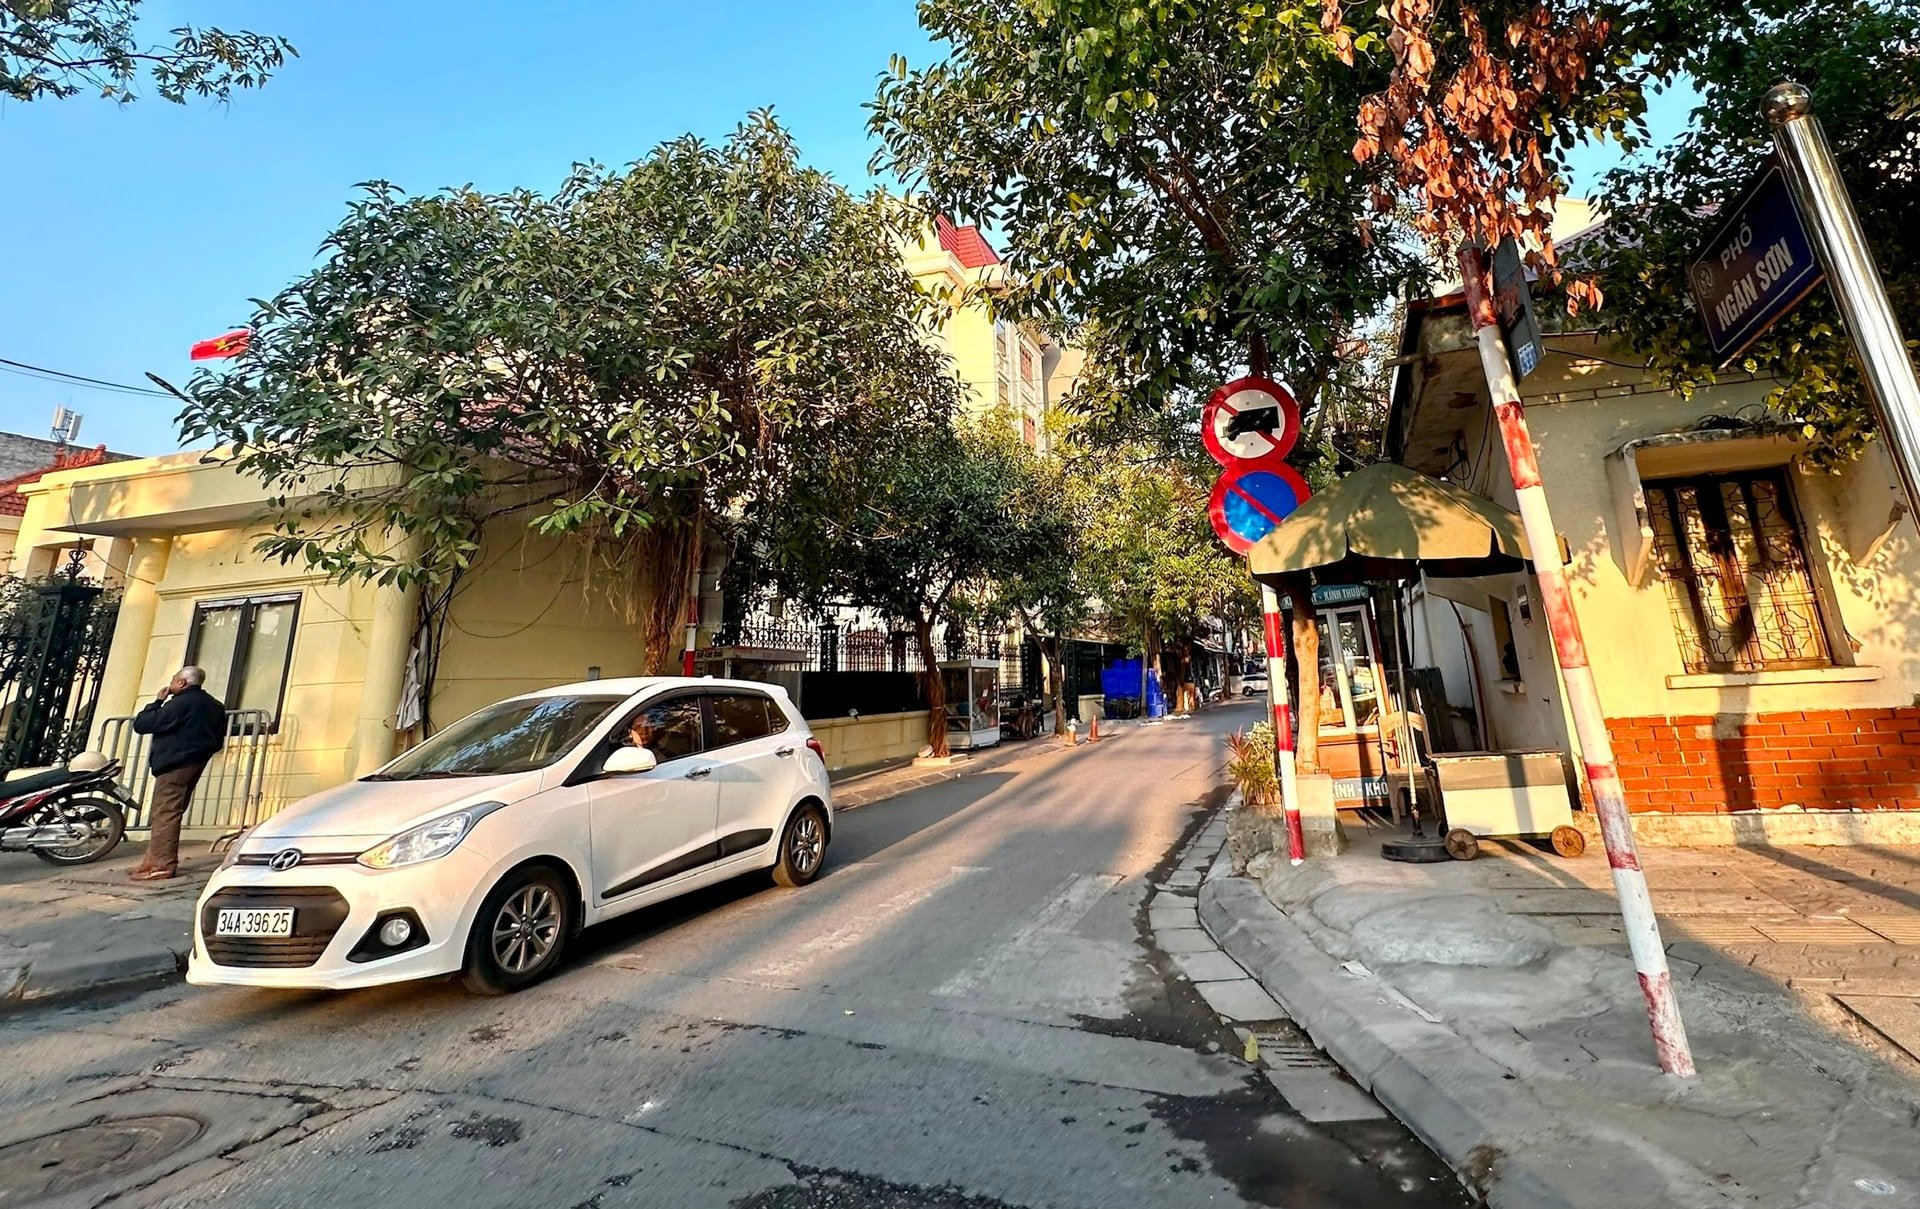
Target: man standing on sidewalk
[189, 726]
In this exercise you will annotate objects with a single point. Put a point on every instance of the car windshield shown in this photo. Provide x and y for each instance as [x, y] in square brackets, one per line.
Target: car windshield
[513, 736]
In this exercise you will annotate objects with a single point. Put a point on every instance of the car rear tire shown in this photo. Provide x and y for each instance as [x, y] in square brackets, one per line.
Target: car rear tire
[803, 847]
[520, 932]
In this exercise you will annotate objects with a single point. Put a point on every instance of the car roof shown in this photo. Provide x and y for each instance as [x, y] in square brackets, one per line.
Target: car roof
[627, 686]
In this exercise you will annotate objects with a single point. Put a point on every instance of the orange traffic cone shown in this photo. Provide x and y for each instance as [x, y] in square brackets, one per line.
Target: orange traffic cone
[1093, 735]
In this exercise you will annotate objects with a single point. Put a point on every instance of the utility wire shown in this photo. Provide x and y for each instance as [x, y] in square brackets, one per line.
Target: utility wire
[55, 375]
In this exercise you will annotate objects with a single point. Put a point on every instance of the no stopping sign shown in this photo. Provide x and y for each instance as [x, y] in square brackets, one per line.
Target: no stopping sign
[1250, 419]
[1252, 498]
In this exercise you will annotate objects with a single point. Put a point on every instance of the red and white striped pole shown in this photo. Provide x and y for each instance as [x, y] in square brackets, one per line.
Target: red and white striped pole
[693, 606]
[1275, 630]
[1570, 651]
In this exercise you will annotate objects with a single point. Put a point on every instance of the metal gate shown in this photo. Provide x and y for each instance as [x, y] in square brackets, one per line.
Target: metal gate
[232, 794]
[53, 649]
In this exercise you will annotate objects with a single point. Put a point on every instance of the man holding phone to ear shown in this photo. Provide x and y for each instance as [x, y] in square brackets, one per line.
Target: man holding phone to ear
[189, 727]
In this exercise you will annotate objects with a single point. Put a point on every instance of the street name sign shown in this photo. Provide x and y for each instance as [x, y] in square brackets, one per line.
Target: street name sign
[1252, 498]
[1250, 418]
[1513, 302]
[1755, 267]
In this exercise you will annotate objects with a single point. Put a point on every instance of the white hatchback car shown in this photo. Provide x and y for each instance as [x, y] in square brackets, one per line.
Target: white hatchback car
[483, 849]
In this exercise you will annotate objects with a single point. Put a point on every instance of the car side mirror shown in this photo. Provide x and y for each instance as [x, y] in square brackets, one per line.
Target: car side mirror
[630, 759]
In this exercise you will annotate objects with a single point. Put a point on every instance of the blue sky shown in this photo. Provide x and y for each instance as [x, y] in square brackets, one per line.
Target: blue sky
[127, 233]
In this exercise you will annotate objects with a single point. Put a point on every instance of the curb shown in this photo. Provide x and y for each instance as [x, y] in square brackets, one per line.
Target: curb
[55, 978]
[1471, 1111]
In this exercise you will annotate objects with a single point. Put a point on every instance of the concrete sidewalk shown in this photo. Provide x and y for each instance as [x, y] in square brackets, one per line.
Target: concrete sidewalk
[64, 931]
[1493, 1008]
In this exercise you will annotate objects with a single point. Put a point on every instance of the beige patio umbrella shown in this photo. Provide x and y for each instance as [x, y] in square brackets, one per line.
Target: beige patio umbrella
[1385, 521]
[1388, 522]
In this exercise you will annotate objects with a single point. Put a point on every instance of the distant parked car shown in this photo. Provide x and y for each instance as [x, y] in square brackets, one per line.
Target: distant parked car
[1253, 684]
[484, 849]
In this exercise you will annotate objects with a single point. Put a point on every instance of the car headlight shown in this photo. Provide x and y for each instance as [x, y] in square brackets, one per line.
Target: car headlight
[428, 842]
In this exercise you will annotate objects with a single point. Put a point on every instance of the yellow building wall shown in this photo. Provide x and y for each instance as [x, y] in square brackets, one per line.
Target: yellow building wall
[1579, 415]
[319, 724]
[535, 611]
[969, 336]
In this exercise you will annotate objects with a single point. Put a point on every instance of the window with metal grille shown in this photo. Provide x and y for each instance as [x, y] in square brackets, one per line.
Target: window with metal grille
[1730, 550]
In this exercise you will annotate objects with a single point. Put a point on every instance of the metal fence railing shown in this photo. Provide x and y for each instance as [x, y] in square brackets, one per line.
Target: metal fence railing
[232, 794]
[828, 645]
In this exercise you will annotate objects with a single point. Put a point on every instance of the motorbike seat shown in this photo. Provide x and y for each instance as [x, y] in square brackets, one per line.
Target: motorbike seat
[20, 787]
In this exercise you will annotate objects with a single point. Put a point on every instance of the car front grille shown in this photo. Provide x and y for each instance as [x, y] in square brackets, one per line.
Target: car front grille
[318, 913]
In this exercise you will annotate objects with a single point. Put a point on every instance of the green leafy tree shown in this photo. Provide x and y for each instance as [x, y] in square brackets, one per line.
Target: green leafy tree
[924, 517]
[1172, 181]
[61, 48]
[634, 359]
[1150, 554]
[1857, 56]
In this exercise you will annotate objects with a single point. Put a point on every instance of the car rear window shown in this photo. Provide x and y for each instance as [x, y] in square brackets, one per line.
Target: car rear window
[740, 717]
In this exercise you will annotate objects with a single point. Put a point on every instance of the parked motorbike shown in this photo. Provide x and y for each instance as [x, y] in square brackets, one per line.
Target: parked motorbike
[65, 816]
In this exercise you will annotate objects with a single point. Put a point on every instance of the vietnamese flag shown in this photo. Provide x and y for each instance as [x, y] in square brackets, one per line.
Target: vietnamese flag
[230, 345]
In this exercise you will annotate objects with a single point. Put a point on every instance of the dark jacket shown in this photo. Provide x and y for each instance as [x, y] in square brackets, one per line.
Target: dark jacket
[187, 728]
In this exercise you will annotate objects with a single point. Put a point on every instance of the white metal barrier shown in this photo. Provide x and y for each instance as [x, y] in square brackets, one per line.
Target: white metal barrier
[231, 794]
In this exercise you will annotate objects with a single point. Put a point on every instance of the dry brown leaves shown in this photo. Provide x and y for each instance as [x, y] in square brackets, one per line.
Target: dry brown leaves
[1460, 121]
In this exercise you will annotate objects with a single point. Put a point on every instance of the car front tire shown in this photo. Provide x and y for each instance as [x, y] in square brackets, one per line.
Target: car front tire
[520, 932]
[803, 847]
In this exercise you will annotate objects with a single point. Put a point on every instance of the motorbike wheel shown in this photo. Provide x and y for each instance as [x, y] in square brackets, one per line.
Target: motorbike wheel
[101, 812]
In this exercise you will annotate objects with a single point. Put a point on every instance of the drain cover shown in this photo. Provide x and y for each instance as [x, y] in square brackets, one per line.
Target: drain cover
[60, 1162]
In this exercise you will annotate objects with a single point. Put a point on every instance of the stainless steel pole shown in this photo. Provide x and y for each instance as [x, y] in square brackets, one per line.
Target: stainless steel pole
[1834, 229]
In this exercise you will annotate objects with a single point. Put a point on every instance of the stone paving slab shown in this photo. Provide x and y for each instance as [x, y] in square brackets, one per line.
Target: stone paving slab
[1170, 912]
[1518, 1046]
[1895, 1017]
[1211, 966]
[1177, 941]
[1240, 999]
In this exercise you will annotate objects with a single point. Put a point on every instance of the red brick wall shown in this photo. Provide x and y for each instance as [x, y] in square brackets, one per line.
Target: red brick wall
[1865, 759]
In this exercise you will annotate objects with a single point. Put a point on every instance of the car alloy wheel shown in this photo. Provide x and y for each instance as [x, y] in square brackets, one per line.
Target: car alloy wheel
[803, 846]
[806, 844]
[526, 928]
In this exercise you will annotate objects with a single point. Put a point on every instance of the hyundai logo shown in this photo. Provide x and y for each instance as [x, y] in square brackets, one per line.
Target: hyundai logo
[284, 860]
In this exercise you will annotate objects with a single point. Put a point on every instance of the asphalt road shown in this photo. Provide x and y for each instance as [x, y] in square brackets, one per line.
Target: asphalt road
[965, 1012]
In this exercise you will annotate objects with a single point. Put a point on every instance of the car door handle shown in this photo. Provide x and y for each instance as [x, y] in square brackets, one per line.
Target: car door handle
[784, 751]
[694, 773]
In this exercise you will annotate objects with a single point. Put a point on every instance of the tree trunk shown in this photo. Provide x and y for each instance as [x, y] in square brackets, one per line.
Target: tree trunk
[665, 553]
[1306, 687]
[1051, 674]
[936, 690]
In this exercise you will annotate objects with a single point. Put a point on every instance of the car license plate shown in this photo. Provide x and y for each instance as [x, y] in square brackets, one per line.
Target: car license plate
[275, 921]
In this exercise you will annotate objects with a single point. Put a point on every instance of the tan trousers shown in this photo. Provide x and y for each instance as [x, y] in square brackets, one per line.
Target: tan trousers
[172, 793]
